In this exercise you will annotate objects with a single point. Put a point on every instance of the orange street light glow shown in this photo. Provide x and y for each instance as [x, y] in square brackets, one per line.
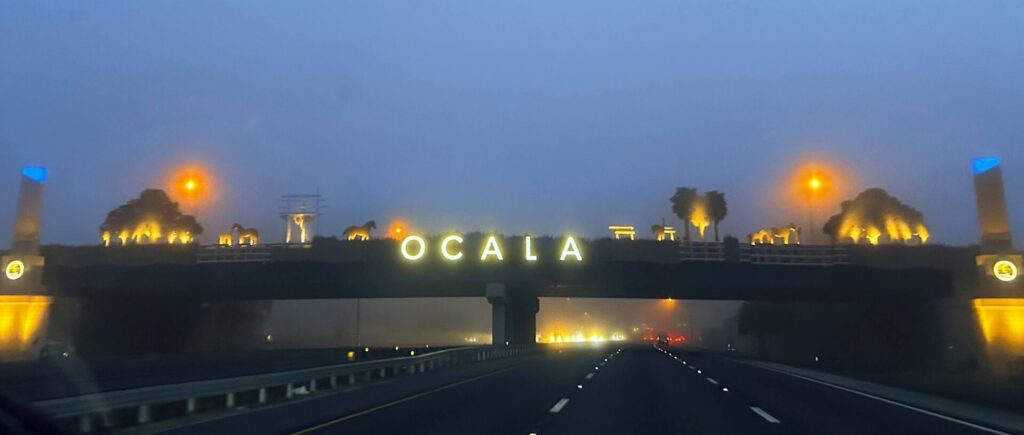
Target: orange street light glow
[397, 230]
[815, 183]
[191, 182]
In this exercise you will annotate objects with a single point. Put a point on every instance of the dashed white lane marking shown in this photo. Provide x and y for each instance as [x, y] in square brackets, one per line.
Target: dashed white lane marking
[892, 402]
[712, 381]
[558, 406]
[764, 415]
[590, 375]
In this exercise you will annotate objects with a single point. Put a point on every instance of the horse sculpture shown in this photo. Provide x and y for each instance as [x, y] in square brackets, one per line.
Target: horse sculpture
[789, 234]
[246, 236]
[240, 235]
[760, 237]
[786, 233]
[357, 232]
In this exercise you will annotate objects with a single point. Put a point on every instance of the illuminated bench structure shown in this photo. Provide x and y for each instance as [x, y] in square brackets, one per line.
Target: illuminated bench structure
[621, 231]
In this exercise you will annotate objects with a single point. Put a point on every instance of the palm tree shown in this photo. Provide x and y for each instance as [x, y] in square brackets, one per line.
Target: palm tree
[682, 204]
[716, 208]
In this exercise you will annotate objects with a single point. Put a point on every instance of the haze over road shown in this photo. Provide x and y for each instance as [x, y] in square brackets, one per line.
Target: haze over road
[611, 390]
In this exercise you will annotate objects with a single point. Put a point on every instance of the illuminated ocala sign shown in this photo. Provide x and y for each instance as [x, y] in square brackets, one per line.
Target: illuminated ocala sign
[451, 247]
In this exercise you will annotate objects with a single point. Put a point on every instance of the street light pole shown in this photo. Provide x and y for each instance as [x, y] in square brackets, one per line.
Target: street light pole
[810, 219]
[814, 185]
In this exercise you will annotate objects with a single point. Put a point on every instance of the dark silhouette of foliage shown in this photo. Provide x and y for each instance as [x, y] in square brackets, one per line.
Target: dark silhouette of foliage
[716, 208]
[151, 204]
[870, 208]
[682, 204]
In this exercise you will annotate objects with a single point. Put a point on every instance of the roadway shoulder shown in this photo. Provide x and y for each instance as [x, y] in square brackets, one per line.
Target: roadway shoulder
[968, 412]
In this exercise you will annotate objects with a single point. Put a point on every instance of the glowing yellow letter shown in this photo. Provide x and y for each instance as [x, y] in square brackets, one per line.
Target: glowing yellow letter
[419, 254]
[530, 256]
[444, 247]
[491, 248]
[570, 249]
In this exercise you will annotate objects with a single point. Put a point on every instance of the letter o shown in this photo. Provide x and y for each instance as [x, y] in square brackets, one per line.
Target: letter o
[419, 253]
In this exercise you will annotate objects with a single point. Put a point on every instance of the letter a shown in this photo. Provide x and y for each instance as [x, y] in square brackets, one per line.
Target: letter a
[570, 249]
[491, 248]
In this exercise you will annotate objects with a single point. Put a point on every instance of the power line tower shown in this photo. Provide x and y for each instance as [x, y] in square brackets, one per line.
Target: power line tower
[301, 213]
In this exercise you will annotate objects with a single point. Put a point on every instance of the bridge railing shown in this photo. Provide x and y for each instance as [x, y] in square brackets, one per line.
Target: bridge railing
[100, 412]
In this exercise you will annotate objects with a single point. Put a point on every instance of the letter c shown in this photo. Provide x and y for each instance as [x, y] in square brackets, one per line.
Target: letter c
[444, 247]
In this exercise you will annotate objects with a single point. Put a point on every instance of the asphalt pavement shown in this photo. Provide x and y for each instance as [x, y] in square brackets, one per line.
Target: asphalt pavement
[594, 390]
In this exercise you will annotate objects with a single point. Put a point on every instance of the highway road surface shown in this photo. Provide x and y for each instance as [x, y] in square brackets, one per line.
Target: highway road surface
[606, 390]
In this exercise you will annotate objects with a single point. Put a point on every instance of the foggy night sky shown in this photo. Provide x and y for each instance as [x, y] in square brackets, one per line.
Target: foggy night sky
[524, 116]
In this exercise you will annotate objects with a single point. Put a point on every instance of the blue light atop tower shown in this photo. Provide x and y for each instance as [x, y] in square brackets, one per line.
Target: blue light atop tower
[983, 164]
[35, 173]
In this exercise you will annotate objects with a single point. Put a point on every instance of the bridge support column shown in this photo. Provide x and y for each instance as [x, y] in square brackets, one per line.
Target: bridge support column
[513, 315]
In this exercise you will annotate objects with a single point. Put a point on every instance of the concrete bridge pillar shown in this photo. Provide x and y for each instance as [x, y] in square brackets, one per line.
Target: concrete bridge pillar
[513, 314]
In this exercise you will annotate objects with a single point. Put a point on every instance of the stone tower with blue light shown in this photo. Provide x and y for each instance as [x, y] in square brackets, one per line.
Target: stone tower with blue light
[24, 305]
[998, 262]
[23, 266]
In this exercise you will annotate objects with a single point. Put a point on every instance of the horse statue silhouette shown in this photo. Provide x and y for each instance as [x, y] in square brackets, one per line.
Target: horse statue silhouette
[789, 234]
[240, 235]
[360, 232]
[246, 236]
[760, 237]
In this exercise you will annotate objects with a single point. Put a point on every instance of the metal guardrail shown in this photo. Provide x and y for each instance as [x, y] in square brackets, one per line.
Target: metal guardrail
[121, 409]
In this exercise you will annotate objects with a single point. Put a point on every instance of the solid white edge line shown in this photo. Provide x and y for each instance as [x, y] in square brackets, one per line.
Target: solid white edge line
[764, 415]
[890, 401]
[559, 405]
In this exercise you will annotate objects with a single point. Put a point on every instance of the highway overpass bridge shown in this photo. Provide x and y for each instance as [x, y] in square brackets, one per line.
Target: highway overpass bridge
[396, 279]
[512, 277]
[511, 288]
